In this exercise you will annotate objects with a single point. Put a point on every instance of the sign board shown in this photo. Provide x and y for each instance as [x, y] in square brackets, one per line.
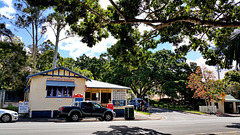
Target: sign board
[23, 107]
[60, 79]
[223, 95]
[119, 102]
[119, 95]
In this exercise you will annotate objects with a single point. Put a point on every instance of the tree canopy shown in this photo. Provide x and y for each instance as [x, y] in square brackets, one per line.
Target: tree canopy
[170, 21]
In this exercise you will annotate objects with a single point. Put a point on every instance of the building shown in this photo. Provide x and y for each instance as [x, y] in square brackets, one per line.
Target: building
[105, 93]
[228, 105]
[48, 90]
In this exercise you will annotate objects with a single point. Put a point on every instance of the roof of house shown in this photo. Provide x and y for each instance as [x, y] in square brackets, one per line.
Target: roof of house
[104, 85]
[58, 68]
[230, 98]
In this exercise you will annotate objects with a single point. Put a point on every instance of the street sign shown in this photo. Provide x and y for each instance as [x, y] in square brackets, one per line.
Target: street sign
[223, 100]
[223, 95]
[23, 107]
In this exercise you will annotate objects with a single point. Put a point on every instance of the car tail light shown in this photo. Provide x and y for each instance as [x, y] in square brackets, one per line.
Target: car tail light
[62, 108]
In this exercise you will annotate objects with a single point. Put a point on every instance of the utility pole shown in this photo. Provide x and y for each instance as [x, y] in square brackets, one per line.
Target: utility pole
[218, 70]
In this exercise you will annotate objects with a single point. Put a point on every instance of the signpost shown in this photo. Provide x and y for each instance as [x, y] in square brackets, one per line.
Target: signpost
[148, 104]
[23, 107]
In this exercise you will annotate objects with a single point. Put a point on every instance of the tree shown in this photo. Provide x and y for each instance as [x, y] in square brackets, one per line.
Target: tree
[226, 51]
[44, 61]
[12, 66]
[204, 85]
[170, 21]
[232, 83]
[57, 24]
[5, 32]
[30, 17]
[94, 65]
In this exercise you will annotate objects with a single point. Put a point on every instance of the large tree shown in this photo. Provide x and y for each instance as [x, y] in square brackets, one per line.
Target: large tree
[57, 23]
[170, 21]
[232, 83]
[13, 71]
[31, 19]
[204, 86]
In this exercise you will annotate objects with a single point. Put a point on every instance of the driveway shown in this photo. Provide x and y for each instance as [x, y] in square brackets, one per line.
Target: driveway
[178, 115]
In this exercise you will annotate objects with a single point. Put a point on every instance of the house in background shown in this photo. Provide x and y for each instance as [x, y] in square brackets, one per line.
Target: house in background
[228, 105]
[48, 90]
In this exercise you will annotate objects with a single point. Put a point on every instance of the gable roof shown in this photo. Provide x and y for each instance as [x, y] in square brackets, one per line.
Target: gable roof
[58, 68]
[104, 85]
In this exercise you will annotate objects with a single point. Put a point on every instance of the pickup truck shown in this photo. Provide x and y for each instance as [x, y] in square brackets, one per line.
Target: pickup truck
[78, 110]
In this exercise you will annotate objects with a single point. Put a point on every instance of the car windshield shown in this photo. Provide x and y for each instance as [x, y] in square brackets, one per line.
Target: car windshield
[75, 104]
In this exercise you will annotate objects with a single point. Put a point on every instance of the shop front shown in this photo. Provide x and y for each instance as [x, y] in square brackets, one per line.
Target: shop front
[47, 91]
[106, 93]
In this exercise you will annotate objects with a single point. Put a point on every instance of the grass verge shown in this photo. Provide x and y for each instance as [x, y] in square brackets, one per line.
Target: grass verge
[147, 113]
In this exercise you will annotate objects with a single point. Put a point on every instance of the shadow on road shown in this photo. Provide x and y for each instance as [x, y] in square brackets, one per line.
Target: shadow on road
[234, 125]
[159, 110]
[125, 130]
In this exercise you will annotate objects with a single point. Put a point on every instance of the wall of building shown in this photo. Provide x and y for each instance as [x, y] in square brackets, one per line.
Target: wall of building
[37, 95]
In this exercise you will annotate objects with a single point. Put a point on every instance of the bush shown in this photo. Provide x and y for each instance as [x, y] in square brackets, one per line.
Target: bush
[11, 107]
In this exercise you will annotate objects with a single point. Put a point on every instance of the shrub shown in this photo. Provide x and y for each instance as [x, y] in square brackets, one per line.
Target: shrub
[11, 107]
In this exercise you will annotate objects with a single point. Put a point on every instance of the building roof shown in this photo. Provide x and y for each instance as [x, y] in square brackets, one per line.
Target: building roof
[58, 68]
[230, 98]
[104, 85]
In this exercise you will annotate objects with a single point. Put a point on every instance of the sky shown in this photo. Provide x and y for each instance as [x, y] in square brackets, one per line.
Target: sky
[72, 47]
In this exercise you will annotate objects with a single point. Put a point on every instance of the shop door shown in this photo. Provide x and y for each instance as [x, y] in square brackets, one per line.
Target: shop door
[105, 97]
[228, 107]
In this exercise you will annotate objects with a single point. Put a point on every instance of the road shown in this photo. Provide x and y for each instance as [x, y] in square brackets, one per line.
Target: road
[174, 123]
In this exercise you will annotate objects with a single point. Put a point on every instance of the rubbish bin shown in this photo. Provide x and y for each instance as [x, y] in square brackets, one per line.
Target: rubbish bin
[129, 112]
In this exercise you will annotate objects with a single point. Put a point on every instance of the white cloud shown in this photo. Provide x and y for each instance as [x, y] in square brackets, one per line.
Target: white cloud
[201, 62]
[76, 48]
[7, 10]
[105, 3]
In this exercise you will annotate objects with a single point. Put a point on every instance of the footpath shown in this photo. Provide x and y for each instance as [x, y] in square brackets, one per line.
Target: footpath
[137, 115]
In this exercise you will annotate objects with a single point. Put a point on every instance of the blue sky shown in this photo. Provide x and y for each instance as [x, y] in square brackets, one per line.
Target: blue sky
[72, 47]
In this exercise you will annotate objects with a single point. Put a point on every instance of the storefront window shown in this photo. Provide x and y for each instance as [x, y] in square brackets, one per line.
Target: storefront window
[59, 92]
[87, 96]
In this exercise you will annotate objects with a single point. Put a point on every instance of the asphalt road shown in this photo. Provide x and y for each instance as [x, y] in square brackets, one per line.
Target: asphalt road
[174, 123]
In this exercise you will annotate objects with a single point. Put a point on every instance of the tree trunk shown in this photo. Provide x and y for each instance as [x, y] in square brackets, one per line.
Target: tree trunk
[56, 49]
[36, 43]
[34, 47]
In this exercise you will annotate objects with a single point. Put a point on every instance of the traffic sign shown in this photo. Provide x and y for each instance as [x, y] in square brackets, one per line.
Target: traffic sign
[223, 95]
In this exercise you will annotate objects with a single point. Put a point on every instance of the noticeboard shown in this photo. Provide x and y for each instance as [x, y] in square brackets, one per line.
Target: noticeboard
[23, 107]
[119, 102]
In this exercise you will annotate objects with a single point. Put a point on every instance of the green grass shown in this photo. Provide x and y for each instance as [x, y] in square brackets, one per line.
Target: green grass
[147, 113]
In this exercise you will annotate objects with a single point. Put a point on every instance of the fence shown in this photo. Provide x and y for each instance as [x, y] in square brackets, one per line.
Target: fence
[208, 109]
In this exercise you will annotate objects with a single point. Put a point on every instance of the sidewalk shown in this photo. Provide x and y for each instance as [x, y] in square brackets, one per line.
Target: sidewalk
[138, 116]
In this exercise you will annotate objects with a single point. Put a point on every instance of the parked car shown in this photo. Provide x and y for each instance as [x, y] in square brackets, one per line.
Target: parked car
[83, 109]
[8, 115]
[139, 103]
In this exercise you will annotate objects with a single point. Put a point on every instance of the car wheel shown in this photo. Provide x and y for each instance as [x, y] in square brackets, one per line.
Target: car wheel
[108, 117]
[6, 118]
[74, 117]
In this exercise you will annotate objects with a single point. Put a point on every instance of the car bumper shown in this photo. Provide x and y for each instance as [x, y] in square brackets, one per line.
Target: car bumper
[14, 117]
